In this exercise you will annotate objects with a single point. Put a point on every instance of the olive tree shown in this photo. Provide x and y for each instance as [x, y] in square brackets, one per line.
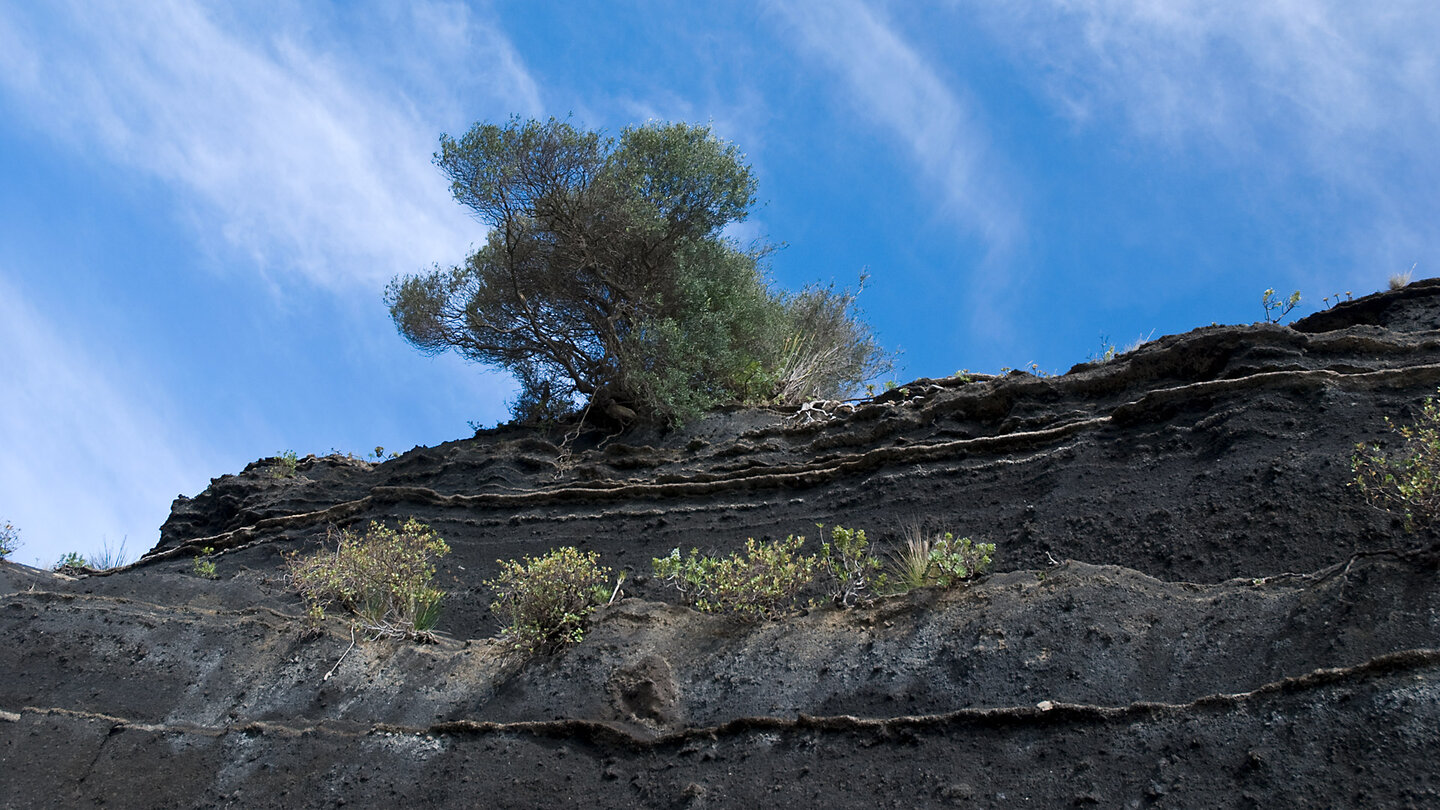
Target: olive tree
[605, 276]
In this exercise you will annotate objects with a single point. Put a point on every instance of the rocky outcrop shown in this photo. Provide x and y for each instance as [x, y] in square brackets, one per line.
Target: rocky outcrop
[1190, 607]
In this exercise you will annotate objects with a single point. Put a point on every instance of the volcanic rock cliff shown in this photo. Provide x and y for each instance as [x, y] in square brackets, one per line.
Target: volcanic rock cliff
[1190, 607]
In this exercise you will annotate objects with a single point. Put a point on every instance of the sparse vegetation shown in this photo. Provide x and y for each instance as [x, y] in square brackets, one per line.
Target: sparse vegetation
[1336, 298]
[1401, 280]
[763, 583]
[1405, 479]
[109, 557]
[204, 564]
[1109, 351]
[544, 602]
[928, 558]
[1277, 308]
[1106, 353]
[383, 576]
[72, 562]
[847, 566]
[9, 539]
[284, 465]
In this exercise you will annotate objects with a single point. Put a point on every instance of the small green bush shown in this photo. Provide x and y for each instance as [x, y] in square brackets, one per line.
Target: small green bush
[928, 559]
[383, 576]
[204, 564]
[72, 561]
[761, 584]
[285, 465]
[1406, 480]
[544, 602]
[847, 566]
[956, 560]
[9, 539]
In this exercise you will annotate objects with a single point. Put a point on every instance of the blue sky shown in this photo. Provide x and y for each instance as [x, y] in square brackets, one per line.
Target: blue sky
[200, 203]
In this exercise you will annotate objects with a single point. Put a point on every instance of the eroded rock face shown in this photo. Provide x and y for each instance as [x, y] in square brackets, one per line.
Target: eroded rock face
[1190, 608]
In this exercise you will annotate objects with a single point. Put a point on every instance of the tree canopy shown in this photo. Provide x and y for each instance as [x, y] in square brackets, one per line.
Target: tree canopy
[605, 275]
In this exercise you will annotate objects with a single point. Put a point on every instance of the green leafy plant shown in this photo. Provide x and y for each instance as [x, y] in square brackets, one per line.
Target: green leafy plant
[927, 558]
[954, 560]
[544, 602]
[204, 564]
[383, 576]
[1277, 308]
[847, 566]
[607, 277]
[1406, 479]
[284, 465]
[72, 561]
[9, 539]
[762, 583]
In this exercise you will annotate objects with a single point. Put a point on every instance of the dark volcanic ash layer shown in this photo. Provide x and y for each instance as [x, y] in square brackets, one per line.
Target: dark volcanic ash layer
[1190, 608]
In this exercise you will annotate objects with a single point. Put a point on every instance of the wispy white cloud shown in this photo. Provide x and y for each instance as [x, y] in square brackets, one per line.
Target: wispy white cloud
[938, 122]
[900, 93]
[1342, 96]
[297, 155]
[88, 456]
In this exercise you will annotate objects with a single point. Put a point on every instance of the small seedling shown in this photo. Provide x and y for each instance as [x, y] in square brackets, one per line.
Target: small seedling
[70, 562]
[1107, 351]
[9, 539]
[204, 565]
[1277, 308]
[285, 464]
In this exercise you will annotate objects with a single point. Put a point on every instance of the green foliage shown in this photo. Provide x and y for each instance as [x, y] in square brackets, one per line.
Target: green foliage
[760, 584]
[927, 559]
[204, 564]
[1277, 308]
[1406, 480]
[9, 539]
[847, 566]
[954, 560]
[605, 277]
[284, 464]
[383, 576]
[544, 602]
[72, 561]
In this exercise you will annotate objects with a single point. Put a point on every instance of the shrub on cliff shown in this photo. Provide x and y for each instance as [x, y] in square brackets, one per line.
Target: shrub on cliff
[929, 558]
[543, 602]
[9, 539]
[383, 576]
[762, 583]
[1406, 478]
[605, 276]
[849, 569]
